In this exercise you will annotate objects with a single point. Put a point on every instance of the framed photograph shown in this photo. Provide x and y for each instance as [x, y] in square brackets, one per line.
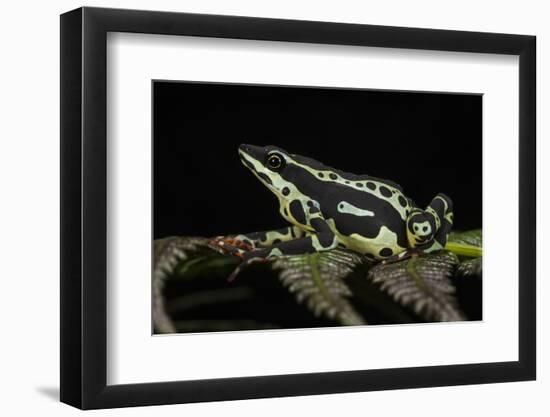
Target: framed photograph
[258, 208]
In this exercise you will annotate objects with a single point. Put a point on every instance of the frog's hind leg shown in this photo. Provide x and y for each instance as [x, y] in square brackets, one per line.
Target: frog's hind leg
[428, 230]
[441, 208]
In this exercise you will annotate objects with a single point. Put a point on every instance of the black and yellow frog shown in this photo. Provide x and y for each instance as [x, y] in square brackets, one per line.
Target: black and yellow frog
[327, 207]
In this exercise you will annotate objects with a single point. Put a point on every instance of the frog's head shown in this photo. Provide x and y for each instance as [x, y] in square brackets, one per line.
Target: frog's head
[270, 165]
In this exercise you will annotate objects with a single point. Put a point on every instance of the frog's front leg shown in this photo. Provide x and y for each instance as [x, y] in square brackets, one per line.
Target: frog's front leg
[242, 243]
[271, 237]
[321, 239]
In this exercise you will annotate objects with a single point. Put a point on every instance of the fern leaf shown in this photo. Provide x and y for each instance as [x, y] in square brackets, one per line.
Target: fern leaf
[317, 280]
[471, 237]
[422, 283]
[470, 267]
[169, 253]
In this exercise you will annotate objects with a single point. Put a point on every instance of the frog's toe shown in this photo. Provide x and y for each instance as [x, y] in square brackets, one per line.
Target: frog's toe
[231, 245]
[245, 264]
[400, 256]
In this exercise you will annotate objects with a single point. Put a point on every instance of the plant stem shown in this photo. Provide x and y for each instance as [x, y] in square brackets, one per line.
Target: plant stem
[464, 249]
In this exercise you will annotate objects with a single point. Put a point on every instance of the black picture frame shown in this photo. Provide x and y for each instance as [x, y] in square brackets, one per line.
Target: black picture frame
[84, 223]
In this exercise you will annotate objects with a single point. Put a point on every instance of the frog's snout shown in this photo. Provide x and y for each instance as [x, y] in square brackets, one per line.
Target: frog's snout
[249, 153]
[246, 155]
[243, 147]
[256, 152]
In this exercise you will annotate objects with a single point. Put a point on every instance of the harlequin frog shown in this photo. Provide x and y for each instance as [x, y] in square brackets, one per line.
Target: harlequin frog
[327, 207]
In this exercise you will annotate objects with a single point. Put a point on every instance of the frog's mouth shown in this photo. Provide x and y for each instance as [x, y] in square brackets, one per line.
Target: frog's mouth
[246, 162]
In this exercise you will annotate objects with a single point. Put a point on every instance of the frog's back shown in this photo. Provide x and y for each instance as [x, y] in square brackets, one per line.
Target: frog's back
[368, 215]
[347, 176]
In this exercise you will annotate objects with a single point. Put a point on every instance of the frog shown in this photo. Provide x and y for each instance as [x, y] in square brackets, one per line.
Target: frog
[327, 208]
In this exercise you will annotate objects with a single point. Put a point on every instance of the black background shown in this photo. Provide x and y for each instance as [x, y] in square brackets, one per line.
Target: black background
[427, 142]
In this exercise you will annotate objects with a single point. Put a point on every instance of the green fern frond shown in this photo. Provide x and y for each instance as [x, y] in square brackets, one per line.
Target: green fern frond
[170, 254]
[468, 243]
[317, 279]
[423, 284]
[470, 268]
[471, 237]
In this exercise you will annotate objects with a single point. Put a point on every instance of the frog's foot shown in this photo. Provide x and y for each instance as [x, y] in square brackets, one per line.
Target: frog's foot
[231, 245]
[409, 253]
[245, 264]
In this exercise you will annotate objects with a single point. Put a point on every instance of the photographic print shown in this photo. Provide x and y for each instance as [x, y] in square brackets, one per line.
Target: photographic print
[292, 187]
[287, 207]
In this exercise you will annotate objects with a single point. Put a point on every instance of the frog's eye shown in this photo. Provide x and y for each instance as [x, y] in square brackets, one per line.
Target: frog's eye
[274, 161]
